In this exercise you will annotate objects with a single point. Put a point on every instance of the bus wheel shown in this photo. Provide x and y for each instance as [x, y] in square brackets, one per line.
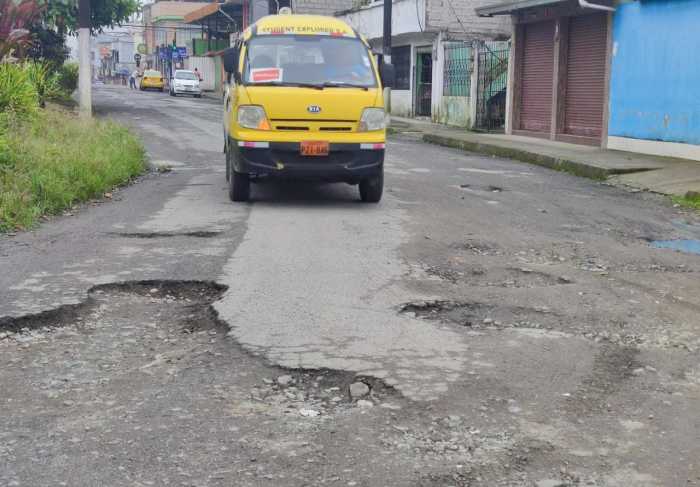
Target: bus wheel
[371, 189]
[228, 163]
[238, 186]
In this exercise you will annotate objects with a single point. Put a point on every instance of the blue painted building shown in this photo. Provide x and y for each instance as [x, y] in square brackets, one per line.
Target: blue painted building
[655, 76]
[621, 74]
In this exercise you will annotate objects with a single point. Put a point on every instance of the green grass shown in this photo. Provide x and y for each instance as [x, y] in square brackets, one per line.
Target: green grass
[54, 160]
[687, 201]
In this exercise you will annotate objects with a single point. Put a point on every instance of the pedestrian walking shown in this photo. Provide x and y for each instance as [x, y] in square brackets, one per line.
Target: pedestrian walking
[132, 79]
[197, 74]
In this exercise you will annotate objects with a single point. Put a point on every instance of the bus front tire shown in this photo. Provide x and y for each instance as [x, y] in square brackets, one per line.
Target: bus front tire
[238, 182]
[239, 186]
[371, 189]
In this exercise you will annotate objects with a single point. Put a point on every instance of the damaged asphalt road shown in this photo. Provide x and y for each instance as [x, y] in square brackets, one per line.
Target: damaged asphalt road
[490, 323]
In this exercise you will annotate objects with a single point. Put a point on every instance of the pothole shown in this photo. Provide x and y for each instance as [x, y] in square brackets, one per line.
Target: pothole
[612, 367]
[146, 235]
[192, 293]
[445, 273]
[478, 247]
[487, 189]
[462, 313]
[312, 393]
[513, 277]
[481, 315]
[526, 277]
[167, 327]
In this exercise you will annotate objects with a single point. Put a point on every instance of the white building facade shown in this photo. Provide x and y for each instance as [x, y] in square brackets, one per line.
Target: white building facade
[432, 51]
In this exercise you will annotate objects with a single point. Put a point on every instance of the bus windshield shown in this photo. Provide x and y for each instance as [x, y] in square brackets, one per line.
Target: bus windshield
[308, 60]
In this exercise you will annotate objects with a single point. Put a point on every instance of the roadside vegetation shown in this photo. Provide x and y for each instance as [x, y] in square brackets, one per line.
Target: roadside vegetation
[49, 158]
[691, 200]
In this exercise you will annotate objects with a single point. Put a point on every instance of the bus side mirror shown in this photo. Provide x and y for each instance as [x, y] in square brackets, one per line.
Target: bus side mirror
[387, 73]
[231, 58]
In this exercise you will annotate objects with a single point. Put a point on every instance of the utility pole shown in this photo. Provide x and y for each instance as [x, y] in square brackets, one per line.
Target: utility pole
[172, 56]
[386, 50]
[85, 73]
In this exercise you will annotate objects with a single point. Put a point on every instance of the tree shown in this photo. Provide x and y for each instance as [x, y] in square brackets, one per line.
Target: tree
[38, 28]
[47, 44]
[63, 14]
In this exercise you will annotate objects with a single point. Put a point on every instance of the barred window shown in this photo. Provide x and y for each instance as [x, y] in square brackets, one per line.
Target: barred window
[457, 70]
[401, 59]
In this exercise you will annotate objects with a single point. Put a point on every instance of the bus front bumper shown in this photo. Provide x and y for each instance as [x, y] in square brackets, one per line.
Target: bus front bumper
[349, 163]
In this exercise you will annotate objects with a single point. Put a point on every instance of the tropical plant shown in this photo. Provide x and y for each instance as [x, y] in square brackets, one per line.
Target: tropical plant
[18, 95]
[68, 77]
[16, 17]
[46, 84]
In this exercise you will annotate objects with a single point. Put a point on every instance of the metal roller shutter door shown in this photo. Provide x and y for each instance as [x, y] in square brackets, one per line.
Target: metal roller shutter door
[585, 78]
[537, 70]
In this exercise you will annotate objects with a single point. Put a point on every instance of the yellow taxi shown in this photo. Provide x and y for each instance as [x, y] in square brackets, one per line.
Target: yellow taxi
[304, 101]
[152, 80]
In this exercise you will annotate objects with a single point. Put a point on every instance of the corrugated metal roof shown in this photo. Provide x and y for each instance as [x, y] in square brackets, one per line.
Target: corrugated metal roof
[508, 8]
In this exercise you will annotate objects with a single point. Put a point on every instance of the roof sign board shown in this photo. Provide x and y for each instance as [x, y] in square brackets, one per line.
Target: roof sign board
[305, 30]
[300, 25]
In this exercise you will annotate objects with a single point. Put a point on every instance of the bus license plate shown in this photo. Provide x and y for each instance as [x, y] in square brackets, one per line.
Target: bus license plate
[314, 148]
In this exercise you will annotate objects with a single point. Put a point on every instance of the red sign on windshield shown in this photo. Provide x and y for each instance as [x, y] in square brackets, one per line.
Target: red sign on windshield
[262, 75]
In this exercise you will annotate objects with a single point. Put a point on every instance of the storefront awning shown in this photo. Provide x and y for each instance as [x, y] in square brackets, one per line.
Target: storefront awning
[508, 8]
[220, 17]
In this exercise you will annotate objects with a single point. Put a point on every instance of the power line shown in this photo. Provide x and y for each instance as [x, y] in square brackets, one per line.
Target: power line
[449, 2]
[160, 27]
[420, 27]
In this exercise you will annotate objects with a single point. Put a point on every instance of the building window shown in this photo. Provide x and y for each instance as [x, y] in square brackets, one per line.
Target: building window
[401, 59]
[457, 70]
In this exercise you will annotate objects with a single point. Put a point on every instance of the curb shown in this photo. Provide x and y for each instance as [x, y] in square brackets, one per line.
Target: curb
[556, 163]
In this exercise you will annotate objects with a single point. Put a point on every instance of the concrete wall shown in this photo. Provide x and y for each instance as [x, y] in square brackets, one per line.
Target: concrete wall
[167, 8]
[452, 110]
[655, 78]
[402, 103]
[407, 16]
[320, 7]
[459, 19]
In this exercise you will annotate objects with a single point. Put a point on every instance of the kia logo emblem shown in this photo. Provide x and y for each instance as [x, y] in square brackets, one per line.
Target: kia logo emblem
[314, 109]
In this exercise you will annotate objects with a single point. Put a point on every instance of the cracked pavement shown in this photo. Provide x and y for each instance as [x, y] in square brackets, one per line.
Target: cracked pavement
[513, 324]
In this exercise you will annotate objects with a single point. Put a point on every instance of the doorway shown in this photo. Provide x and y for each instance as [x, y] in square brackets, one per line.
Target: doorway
[424, 83]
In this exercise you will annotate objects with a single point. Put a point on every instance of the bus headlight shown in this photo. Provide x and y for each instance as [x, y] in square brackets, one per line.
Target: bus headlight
[253, 117]
[372, 119]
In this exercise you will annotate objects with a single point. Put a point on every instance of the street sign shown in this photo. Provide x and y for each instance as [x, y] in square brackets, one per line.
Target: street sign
[179, 53]
[137, 57]
[141, 48]
[163, 54]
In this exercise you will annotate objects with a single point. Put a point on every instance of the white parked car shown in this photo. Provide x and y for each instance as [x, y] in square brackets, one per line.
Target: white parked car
[185, 82]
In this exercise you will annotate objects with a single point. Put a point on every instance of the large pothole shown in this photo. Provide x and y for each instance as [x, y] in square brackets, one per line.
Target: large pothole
[153, 316]
[142, 385]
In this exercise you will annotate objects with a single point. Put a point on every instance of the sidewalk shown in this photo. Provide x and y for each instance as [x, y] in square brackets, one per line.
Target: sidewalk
[657, 174]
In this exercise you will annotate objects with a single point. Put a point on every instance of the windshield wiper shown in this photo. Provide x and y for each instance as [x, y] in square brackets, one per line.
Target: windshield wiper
[280, 83]
[342, 84]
